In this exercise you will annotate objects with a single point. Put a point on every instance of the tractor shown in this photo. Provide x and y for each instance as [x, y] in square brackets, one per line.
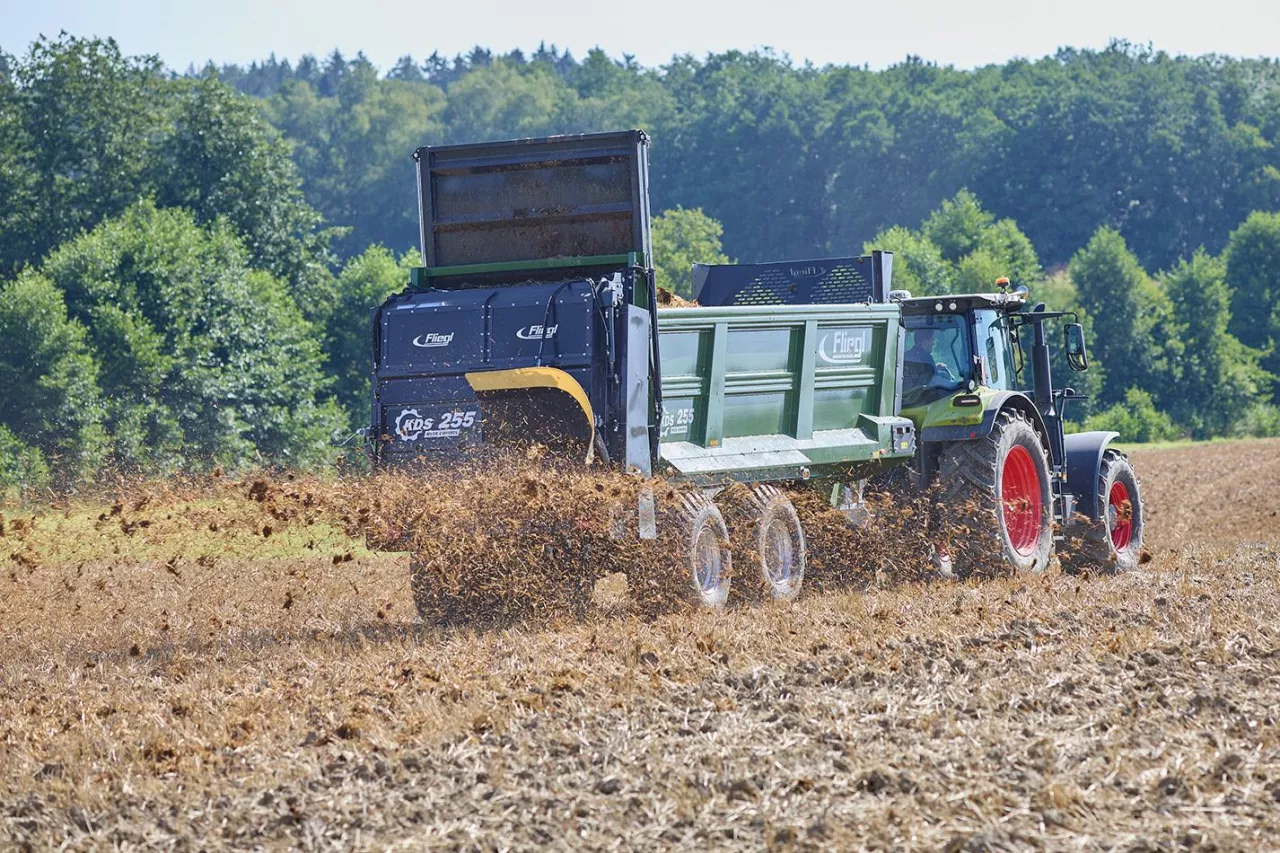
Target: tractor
[978, 386]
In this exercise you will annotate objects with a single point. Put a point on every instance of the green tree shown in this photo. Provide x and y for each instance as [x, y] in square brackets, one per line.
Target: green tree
[1261, 420]
[16, 180]
[22, 467]
[977, 272]
[502, 100]
[51, 400]
[352, 150]
[956, 227]
[978, 251]
[86, 131]
[613, 95]
[204, 359]
[740, 145]
[1217, 376]
[917, 264]
[1131, 318]
[1253, 271]
[1059, 293]
[364, 283]
[1172, 152]
[1012, 249]
[89, 118]
[1136, 418]
[682, 238]
[220, 158]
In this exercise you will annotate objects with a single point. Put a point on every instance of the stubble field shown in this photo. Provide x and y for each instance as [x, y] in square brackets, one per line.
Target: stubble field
[186, 670]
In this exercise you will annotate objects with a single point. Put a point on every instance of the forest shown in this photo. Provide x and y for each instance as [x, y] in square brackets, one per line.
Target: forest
[188, 258]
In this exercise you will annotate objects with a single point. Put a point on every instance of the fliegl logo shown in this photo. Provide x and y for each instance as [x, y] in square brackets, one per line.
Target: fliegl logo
[844, 346]
[537, 333]
[807, 272]
[433, 339]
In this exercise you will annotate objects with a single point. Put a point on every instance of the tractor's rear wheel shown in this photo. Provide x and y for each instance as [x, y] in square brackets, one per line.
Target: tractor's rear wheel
[705, 558]
[1113, 542]
[995, 499]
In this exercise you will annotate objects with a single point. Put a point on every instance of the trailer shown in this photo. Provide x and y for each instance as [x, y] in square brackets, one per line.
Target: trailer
[535, 319]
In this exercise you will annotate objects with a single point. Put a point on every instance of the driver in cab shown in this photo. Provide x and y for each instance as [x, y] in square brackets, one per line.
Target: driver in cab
[919, 367]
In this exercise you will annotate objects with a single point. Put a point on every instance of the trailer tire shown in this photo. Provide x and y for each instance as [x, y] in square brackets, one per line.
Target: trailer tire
[705, 558]
[1113, 543]
[995, 499]
[778, 548]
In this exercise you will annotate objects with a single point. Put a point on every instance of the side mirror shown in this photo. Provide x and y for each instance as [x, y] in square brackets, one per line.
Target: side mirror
[1077, 357]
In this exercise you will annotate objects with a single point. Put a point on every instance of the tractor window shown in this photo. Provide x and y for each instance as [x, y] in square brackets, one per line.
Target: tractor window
[937, 361]
[997, 351]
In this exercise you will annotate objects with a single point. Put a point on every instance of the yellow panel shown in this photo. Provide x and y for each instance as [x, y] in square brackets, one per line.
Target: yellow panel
[537, 377]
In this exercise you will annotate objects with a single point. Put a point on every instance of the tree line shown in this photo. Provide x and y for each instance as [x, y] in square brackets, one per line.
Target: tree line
[795, 161]
[187, 261]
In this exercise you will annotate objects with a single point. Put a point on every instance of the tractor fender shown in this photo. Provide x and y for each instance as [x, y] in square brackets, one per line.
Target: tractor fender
[1000, 402]
[1084, 462]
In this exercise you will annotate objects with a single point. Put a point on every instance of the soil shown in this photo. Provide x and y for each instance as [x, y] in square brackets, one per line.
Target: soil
[227, 668]
[1219, 492]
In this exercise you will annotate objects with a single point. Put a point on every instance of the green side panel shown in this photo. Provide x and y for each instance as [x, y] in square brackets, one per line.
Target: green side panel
[712, 402]
[775, 391]
[685, 354]
[757, 414]
[753, 350]
[838, 408]
[944, 412]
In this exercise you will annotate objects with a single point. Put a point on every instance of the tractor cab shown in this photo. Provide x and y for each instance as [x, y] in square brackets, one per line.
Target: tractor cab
[963, 351]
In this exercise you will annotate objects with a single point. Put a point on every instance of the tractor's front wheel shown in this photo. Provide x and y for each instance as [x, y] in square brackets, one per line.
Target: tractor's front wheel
[995, 499]
[1112, 542]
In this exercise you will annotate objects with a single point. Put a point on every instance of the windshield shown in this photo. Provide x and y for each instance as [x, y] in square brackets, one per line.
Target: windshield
[938, 360]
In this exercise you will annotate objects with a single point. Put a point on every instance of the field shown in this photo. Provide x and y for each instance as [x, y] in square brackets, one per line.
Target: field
[182, 670]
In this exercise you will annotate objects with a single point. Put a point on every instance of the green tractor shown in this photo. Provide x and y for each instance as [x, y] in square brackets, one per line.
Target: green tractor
[1008, 482]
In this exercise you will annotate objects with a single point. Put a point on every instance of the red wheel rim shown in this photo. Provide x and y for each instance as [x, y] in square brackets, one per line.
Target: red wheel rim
[1020, 495]
[1120, 516]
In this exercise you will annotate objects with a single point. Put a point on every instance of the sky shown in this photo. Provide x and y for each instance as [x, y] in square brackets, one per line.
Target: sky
[949, 32]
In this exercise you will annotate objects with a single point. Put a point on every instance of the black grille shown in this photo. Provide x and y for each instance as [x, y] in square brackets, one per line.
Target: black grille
[828, 281]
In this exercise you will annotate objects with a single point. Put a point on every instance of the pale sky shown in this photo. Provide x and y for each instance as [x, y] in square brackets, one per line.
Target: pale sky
[950, 32]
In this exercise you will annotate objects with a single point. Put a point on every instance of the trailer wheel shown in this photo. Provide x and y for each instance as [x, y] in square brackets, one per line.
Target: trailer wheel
[779, 550]
[996, 499]
[706, 556]
[1113, 543]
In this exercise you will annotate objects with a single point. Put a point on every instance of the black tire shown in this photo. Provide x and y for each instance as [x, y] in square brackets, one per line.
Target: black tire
[705, 557]
[988, 490]
[778, 550]
[1104, 546]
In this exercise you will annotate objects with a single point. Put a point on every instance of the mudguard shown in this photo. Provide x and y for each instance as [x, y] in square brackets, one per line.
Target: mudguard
[1084, 460]
[1000, 401]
